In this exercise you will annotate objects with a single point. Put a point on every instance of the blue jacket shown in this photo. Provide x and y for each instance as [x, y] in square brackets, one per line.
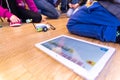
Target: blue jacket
[94, 21]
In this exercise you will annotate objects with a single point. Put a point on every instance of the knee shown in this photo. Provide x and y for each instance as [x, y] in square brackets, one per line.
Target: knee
[54, 16]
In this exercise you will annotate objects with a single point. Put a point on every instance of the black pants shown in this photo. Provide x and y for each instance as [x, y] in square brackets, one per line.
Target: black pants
[22, 13]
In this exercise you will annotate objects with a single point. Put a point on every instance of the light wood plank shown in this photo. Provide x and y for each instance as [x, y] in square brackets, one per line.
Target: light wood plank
[20, 60]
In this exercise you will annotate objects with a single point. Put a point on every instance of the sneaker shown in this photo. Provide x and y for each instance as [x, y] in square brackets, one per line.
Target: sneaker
[16, 24]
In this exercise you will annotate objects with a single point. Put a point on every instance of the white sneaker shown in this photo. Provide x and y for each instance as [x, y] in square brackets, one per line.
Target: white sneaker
[16, 24]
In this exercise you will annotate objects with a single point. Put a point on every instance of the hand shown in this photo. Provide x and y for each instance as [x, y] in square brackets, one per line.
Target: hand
[14, 19]
[70, 5]
[76, 5]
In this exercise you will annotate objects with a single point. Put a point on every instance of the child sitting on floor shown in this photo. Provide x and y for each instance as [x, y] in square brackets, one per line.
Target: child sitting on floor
[97, 19]
[74, 6]
[16, 11]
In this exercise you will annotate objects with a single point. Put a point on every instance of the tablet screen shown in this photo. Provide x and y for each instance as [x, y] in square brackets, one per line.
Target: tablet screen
[83, 57]
[83, 54]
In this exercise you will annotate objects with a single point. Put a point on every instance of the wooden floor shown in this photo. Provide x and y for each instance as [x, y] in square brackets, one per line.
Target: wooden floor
[21, 60]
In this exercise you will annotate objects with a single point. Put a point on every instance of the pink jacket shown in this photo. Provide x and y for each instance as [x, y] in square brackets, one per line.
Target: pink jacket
[5, 13]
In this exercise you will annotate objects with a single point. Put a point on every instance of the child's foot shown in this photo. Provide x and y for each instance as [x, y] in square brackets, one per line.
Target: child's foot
[15, 24]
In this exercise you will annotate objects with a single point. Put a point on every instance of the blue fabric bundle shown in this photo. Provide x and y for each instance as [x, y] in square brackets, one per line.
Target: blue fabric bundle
[94, 21]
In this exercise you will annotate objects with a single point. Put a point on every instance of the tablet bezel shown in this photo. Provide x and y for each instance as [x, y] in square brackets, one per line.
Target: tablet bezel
[87, 74]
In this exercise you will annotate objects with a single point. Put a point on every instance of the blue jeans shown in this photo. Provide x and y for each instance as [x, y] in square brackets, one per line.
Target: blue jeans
[75, 1]
[47, 9]
[51, 2]
[64, 6]
[71, 11]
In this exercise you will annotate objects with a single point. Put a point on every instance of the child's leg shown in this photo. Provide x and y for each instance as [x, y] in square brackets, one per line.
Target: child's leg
[75, 10]
[27, 14]
[51, 2]
[47, 9]
[70, 12]
[64, 6]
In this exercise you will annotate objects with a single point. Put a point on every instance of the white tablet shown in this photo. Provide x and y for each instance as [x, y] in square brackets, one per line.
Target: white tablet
[85, 58]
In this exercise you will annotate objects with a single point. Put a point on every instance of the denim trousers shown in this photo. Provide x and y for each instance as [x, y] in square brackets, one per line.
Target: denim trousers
[75, 1]
[64, 6]
[71, 11]
[47, 9]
